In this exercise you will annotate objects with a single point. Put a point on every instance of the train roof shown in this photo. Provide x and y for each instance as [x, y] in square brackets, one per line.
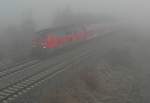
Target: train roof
[56, 29]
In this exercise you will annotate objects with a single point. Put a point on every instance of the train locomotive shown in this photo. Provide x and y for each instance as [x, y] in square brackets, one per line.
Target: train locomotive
[48, 40]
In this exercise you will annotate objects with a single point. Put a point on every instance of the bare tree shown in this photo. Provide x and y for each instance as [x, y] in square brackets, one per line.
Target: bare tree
[63, 17]
[18, 40]
[28, 27]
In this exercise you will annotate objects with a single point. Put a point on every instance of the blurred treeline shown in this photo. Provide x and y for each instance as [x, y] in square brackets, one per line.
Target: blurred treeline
[16, 42]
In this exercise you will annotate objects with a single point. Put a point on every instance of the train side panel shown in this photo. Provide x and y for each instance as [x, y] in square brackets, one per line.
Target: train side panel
[59, 39]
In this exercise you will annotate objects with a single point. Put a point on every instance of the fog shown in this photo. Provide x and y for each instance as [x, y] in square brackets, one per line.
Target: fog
[43, 10]
[15, 14]
[20, 19]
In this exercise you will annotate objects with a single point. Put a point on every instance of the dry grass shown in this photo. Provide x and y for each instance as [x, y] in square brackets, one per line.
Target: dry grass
[101, 84]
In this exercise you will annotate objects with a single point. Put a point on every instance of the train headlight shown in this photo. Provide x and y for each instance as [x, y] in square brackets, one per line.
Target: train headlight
[44, 47]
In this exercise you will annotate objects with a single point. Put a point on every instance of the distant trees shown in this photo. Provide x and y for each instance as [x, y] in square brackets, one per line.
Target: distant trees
[28, 27]
[18, 38]
[11, 40]
[63, 17]
[67, 16]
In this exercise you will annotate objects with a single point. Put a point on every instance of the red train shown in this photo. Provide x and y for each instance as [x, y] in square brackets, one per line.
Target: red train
[49, 39]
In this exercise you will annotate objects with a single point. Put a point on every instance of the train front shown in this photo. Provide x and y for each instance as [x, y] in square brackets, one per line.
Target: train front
[39, 45]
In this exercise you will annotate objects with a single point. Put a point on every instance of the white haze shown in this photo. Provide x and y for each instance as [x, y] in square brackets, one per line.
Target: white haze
[135, 12]
[43, 10]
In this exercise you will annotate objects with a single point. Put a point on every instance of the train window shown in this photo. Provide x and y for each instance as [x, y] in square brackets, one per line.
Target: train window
[58, 33]
[68, 32]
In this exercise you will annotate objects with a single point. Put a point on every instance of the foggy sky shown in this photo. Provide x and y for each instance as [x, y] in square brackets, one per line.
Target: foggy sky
[43, 10]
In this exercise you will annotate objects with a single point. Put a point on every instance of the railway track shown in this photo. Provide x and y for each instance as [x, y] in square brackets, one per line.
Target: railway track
[17, 68]
[10, 92]
[6, 71]
[43, 69]
[3, 68]
[36, 64]
[28, 65]
[22, 66]
[20, 79]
